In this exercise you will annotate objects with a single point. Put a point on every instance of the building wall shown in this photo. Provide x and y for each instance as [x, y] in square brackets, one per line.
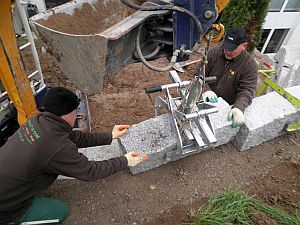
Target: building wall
[293, 37]
[280, 27]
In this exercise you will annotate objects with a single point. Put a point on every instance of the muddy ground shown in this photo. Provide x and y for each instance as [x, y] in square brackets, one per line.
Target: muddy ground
[167, 194]
[100, 17]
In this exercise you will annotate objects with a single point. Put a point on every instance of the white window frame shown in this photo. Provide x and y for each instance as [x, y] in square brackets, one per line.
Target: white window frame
[273, 29]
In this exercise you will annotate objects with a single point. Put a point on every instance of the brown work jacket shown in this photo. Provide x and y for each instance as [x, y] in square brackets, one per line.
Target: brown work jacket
[43, 148]
[236, 78]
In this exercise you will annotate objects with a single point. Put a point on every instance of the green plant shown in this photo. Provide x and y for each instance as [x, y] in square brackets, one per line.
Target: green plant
[248, 14]
[236, 207]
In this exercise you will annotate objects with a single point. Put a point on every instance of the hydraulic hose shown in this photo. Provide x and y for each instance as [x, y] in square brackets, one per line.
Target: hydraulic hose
[142, 58]
[162, 7]
[150, 55]
[167, 7]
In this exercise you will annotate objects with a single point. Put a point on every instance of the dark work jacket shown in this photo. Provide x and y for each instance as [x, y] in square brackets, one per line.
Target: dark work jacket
[43, 148]
[236, 78]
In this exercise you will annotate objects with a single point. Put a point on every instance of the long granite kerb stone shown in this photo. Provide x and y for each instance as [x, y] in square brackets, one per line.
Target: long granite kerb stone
[100, 153]
[153, 137]
[156, 137]
[266, 119]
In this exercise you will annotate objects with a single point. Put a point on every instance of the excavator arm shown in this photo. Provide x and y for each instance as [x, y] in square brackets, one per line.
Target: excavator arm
[12, 72]
[24, 91]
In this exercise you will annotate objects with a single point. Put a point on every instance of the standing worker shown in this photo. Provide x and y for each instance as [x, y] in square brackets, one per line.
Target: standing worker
[236, 73]
[45, 147]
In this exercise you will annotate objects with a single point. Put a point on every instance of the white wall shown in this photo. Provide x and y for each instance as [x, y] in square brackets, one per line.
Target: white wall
[280, 20]
[293, 37]
[283, 20]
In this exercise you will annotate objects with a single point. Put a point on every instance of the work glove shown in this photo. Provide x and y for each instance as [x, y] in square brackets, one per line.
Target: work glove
[210, 96]
[119, 131]
[133, 158]
[237, 117]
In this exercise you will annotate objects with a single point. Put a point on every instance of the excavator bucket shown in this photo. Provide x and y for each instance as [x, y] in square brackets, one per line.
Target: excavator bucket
[90, 38]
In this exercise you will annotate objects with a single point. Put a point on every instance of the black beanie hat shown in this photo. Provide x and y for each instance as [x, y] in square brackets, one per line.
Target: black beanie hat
[60, 101]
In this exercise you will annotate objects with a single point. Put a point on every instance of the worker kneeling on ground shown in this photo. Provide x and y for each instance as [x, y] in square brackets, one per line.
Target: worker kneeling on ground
[236, 73]
[45, 147]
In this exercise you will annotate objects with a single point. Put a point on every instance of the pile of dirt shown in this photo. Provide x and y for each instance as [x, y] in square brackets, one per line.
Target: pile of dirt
[89, 19]
[123, 99]
[281, 188]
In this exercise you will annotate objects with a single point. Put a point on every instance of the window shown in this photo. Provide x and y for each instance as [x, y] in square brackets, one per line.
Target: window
[276, 5]
[292, 6]
[264, 37]
[276, 40]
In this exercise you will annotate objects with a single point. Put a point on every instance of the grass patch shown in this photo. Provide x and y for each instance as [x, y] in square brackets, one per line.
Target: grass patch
[235, 207]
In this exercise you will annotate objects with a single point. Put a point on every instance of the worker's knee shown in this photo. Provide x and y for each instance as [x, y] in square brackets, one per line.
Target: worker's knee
[46, 209]
[62, 210]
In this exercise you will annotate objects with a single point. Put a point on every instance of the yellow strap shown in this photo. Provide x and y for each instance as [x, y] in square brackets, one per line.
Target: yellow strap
[12, 73]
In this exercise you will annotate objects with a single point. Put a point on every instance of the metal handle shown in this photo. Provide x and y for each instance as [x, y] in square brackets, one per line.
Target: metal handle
[153, 89]
[210, 79]
[149, 90]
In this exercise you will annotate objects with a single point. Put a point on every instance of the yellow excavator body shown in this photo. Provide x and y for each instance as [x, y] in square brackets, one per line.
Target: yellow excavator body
[221, 4]
[12, 72]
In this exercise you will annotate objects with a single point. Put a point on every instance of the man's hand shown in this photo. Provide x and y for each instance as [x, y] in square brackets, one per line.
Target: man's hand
[133, 158]
[210, 96]
[237, 117]
[119, 131]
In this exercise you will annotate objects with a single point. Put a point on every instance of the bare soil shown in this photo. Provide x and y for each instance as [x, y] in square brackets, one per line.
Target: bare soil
[101, 15]
[171, 193]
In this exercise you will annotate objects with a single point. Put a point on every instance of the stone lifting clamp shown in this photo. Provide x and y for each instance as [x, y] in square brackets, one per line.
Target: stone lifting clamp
[190, 115]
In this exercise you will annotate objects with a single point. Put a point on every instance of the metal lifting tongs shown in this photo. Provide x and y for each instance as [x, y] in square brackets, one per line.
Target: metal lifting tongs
[189, 114]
